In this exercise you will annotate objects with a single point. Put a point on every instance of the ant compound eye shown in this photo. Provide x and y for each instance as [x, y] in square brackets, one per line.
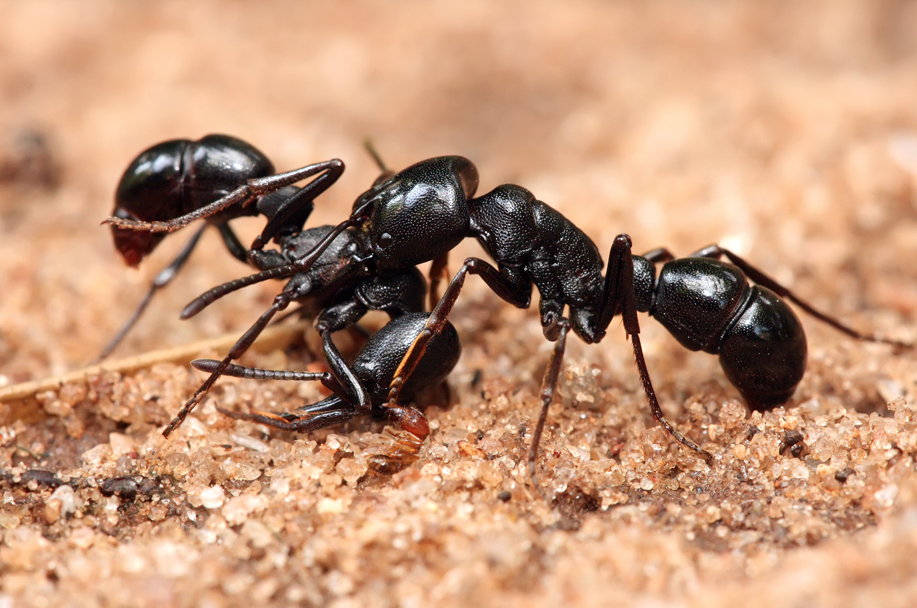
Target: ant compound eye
[385, 240]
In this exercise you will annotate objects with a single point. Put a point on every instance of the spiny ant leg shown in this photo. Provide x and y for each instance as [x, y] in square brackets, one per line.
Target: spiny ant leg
[654, 403]
[162, 279]
[248, 338]
[619, 295]
[307, 418]
[503, 287]
[242, 195]
[756, 275]
[548, 387]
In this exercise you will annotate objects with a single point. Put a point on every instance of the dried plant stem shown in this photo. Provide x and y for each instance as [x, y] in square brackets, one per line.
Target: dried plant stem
[272, 338]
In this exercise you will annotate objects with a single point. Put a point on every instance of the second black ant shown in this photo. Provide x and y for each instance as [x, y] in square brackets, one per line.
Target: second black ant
[217, 178]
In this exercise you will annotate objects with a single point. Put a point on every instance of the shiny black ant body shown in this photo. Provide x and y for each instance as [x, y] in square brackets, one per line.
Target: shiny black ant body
[362, 387]
[422, 212]
[217, 178]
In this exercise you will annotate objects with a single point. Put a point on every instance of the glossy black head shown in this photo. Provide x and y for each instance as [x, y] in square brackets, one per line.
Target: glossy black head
[421, 212]
[178, 176]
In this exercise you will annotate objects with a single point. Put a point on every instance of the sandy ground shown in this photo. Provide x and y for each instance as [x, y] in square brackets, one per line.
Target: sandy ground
[788, 133]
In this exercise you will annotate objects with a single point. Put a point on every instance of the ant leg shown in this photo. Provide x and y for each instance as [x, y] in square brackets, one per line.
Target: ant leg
[548, 386]
[162, 279]
[756, 275]
[242, 195]
[353, 390]
[299, 206]
[351, 397]
[232, 242]
[248, 338]
[514, 288]
[327, 412]
[438, 272]
[618, 294]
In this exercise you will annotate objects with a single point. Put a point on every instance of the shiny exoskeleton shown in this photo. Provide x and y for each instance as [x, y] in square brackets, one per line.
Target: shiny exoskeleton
[422, 212]
[362, 387]
[709, 305]
[217, 178]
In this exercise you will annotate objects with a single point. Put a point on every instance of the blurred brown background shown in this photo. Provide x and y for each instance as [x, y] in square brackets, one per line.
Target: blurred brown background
[787, 131]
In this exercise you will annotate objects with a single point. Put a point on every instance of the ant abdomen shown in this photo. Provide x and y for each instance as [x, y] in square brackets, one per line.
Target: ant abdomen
[708, 305]
[764, 353]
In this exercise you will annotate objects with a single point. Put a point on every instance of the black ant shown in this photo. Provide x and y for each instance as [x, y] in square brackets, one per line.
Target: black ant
[217, 178]
[421, 213]
[362, 387]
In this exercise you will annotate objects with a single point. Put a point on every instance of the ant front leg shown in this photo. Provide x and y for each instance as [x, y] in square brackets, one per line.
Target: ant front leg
[619, 296]
[756, 275]
[350, 398]
[548, 385]
[243, 195]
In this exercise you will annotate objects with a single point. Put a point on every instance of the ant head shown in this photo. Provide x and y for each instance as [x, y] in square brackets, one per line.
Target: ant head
[420, 213]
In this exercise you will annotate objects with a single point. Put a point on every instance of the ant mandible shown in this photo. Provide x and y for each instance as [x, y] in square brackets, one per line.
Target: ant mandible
[217, 178]
[422, 212]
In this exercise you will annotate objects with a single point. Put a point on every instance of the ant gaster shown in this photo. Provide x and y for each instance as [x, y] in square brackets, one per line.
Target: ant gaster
[217, 178]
